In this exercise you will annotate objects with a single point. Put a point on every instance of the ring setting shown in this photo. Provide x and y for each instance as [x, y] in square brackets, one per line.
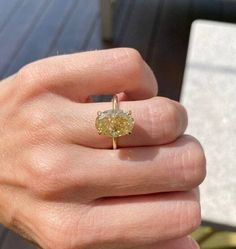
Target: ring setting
[115, 122]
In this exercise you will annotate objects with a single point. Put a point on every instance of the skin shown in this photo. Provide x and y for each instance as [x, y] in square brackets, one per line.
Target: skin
[62, 185]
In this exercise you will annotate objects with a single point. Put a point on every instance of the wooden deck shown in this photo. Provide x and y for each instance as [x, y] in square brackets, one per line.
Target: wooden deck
[31, 30]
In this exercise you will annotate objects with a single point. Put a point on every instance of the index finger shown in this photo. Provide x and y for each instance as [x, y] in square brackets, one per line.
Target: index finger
[79, 76]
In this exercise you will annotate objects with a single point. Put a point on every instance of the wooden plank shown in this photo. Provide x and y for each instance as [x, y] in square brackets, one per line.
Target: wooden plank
[95, 41]
[7, 9]
[122, 11]
[106, 14]
[78, 29]
[121, 14]
[17, 29]
[169, 50]
[43, 36]
[140, 25]
[14, 241]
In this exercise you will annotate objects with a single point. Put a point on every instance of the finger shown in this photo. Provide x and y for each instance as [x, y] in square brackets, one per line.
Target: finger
[130, 222]
[157, 121]
[182, 243]
[144, 170]
[81, 75]
[96, 173]
[143, 220]
[176, 167]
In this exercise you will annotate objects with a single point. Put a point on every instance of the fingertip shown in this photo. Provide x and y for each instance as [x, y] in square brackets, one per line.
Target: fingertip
[152, 79]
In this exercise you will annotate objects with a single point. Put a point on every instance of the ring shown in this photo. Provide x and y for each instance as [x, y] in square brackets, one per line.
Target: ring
[114, 122]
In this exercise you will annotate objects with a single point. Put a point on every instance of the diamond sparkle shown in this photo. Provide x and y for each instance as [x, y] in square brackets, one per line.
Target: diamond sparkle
[114, 123]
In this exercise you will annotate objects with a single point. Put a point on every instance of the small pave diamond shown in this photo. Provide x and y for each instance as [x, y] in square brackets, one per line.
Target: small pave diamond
[114, 123]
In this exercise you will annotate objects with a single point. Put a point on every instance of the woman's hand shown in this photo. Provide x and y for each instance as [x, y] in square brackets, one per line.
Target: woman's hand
[61, 184]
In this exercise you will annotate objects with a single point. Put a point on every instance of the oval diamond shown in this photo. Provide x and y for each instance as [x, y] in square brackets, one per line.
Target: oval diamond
[114, 123]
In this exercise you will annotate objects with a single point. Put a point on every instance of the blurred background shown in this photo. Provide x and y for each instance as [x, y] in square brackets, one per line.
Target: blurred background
[191, 47]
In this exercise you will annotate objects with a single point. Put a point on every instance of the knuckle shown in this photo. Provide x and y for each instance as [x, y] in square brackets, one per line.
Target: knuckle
[46, 169]
[134, 55]
[188, 217]
[192, 218]
[172, 111]
[136, 63]
[31, 79]
[164, 119]
[166, 114]
[25, 74]
[39, 119]
[195, 163]
[152, 117]
[41, 124]
[183, 117]
[29, 75]
[172, 119]
[133, 64]
[52, 176]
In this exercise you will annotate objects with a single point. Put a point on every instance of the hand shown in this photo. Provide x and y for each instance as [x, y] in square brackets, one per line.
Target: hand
[61, 184]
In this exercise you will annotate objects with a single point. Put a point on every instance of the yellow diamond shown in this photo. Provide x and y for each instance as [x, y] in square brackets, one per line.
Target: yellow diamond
[114, 123]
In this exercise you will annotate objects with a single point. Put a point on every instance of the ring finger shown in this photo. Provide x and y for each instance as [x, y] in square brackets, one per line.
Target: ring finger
[157, 121]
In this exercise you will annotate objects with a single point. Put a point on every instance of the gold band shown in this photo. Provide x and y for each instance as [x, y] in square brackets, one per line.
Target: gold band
[115, 106]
